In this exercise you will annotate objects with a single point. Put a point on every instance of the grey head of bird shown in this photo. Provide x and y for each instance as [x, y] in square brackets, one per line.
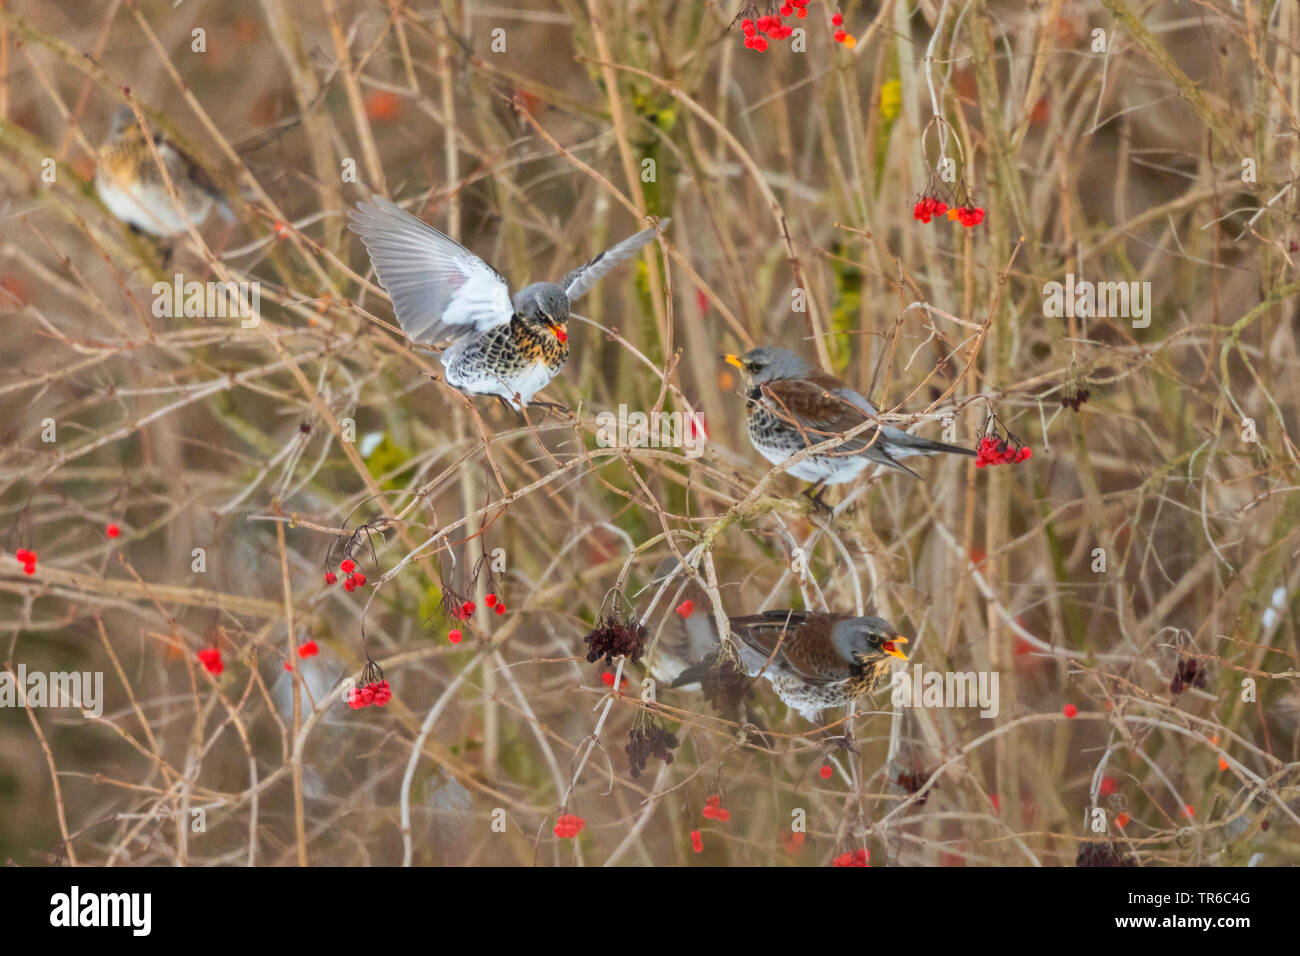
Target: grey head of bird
[544, 304]
[768, 363]
[867, 640]
[123, 119]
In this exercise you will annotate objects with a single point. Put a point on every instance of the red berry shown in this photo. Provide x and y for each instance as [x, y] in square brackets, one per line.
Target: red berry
[349, 584]
[330, 577]
[466, 609]
[454, 635]
[210, 658]
[29, 567]
[607, 679]
[825, 771]
[801, 13]
[1070, 710]
[359, 579]
[568, 826]
[113, 531]
[310, 649]
[760, 44]
[840, 35]
[490, 600]
[837, 19]
[501, 607]
[348, 566]
[686, 609]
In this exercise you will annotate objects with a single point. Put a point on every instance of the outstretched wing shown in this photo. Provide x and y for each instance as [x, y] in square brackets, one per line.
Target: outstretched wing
[440, 289]
[581, 279]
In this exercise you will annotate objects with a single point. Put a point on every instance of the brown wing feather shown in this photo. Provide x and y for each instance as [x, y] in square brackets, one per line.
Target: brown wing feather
[806, 650]
[815, 409]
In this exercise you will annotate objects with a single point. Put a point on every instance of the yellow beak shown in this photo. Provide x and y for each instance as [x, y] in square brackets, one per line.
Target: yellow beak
[890, 647]
[734, 360]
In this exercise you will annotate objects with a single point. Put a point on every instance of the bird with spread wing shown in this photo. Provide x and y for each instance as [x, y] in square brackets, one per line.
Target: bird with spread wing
[508, 347]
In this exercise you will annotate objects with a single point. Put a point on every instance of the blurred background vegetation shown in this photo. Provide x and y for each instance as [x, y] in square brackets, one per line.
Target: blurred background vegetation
[783, 171]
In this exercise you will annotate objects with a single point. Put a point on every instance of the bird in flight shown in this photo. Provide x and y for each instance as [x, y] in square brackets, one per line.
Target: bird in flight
[504, 346]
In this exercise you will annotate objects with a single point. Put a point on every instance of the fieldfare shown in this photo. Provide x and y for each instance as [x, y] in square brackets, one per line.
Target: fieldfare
[509, 348]
[130, 183]
[790, 406]
[813, 659]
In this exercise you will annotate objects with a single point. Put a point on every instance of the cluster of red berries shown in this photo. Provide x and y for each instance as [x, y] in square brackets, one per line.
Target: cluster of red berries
[928, 208]
[856, 858]
[354, 579]
[1000, 451]
[467, 609]
[569, 826]
[842, 35]
[27, 559]
[210, 658]
[697, 841]
[714, 810]
[773, 25]
[376, 692]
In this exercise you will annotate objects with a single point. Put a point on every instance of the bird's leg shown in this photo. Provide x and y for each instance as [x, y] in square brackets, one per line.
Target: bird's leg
[839, 742]
[814, 494]
[553, 408]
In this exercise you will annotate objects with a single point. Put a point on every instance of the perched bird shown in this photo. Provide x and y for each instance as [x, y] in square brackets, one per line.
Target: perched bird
[790, 406]
[812, 659]
[509, 348]
[130, 183]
